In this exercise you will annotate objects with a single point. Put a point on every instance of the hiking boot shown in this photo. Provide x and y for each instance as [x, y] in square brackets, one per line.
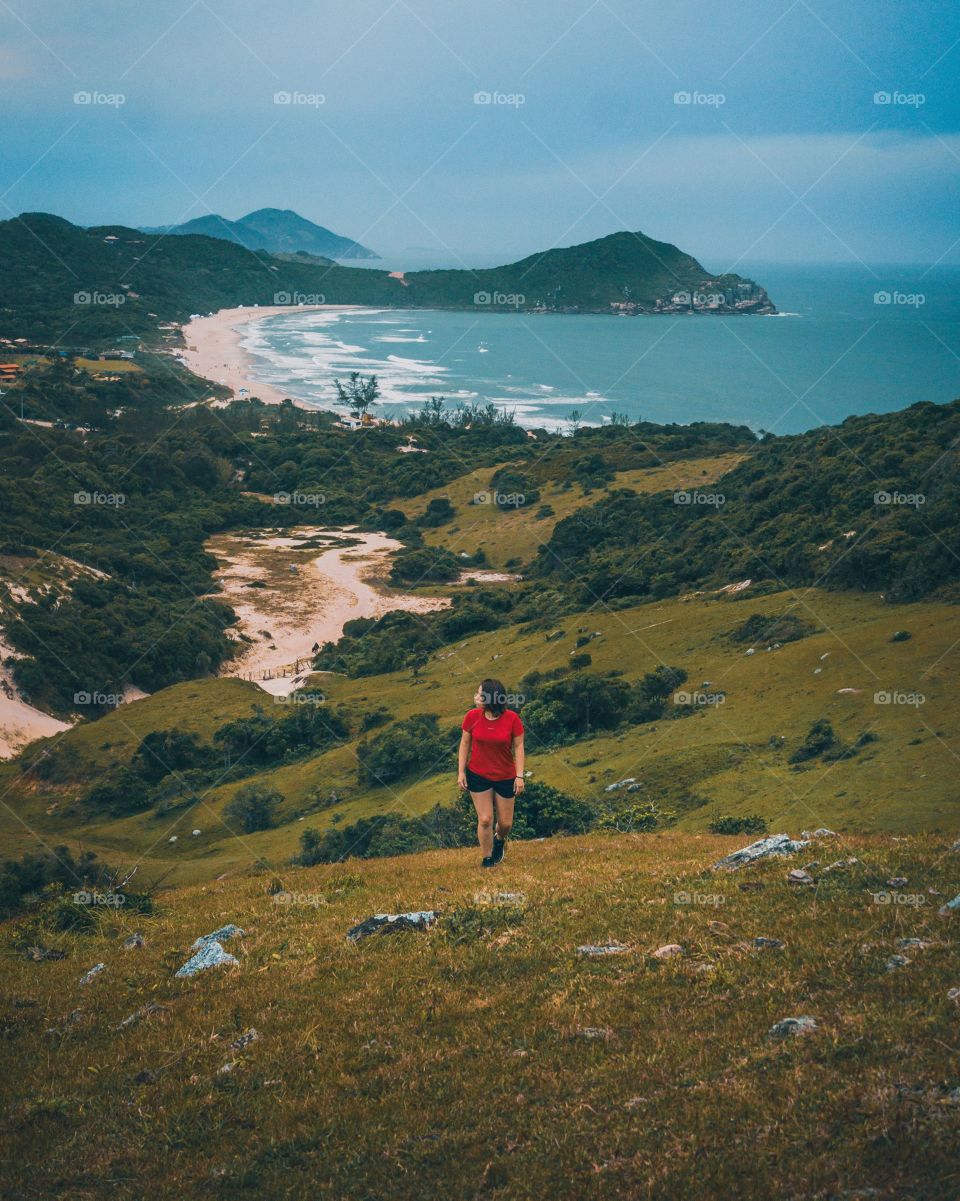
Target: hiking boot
[488, 861]
[499, 846]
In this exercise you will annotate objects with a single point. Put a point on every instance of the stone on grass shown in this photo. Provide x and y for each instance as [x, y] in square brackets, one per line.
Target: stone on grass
[390, 923]
[40, 953]
[896, 961]
[211, 954]
[607, 948]
[594, 1033]
[134, 942]
[143, 1012]
[820, 832]
[620, 784]
[787, 1027]
[799, 876]
[220, 935]
[670, 951]
[773, 944]
[950, 907]
[954, 995]
[773, 844]
[95, 971]
[898, 882]
[917, 943]
[839, 866]
[245, 1039]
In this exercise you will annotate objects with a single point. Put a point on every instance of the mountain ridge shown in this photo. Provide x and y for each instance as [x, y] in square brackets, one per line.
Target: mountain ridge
[274, 230]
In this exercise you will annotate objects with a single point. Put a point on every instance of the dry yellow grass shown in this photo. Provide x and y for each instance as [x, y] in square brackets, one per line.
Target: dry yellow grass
[460, 1062]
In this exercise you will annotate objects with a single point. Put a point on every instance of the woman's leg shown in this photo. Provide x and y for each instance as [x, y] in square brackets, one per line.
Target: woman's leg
[504, 805]
[483, 803]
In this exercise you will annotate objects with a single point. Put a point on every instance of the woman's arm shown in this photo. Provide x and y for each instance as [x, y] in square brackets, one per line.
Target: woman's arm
[519, 759]
[462, 757]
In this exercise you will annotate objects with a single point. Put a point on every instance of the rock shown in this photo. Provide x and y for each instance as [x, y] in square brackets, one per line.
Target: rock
[773, 844]
[196, 833]
[751, 651]
[820, 832]
[787, 1027]
[608, 948]
[134, 942]
[245, 1039]
[774, 944]
[390, 923]
[593, 1033]
[143, 1012]
[226, 1067]
[954, 995]
[898, 882]
[669, 951]
[896, 961]
[210, 955]
[495, 898]
[956, 846]
[840, 865]
[798, 876]
[145, 1077]
[554, 635]
[620, 784]
[40, 953]
[172, 838]
[220, 935]
[95, 971]
[950, 907]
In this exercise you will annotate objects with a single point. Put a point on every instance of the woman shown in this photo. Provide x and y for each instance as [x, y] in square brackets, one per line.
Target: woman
[491, 766]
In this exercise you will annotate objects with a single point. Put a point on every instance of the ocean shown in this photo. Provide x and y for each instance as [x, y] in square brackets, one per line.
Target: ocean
[847, 340]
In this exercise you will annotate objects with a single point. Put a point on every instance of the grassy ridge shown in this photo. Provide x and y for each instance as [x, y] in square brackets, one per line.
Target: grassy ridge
[484, 1058]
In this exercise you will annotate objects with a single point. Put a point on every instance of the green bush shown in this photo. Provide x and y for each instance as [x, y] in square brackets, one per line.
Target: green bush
[414, 746]
[254, 808]
[738, 825]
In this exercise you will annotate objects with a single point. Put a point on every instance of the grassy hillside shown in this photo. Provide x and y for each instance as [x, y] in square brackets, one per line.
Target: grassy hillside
[484, 1057]
[730, 758]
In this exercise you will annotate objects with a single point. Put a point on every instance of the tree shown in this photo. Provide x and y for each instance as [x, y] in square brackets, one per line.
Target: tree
[358, 393]
[254, 808]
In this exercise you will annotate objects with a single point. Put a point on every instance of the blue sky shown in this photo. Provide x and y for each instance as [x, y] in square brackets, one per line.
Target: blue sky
[741, 130]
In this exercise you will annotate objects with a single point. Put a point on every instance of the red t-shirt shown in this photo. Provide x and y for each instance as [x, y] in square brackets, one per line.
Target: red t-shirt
[491, 746]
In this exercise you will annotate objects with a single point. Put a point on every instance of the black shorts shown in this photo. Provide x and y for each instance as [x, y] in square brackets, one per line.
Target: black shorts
[504, 788]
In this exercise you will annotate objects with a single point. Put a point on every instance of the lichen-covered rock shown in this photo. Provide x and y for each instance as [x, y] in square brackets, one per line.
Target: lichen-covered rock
[134, 942]
[607, 948]
[896, 961]
[220, 935]
[763, 848]
[211, 954]
[390, 923]
[799, 876]
[670, 951]
[950, 907]
[95, 971]
[787, 1027]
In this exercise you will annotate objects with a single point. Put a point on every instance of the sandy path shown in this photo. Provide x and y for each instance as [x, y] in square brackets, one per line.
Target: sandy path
[213, 349]
[295, 610]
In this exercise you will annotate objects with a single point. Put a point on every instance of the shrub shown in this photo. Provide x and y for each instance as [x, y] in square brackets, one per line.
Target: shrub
[415, 745]
[758, 628]
[164, 751]
[254, 808]
[820, 739]
[738, 825]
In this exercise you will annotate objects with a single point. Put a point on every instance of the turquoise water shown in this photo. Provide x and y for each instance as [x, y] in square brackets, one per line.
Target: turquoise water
[833, 351]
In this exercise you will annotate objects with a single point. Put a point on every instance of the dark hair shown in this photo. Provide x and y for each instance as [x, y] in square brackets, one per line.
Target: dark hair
[494, 696]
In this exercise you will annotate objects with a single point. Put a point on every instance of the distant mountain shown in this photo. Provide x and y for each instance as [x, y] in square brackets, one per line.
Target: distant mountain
[279, 231]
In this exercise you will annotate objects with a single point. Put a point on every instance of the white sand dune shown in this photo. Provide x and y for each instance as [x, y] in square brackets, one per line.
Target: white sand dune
[20, 722]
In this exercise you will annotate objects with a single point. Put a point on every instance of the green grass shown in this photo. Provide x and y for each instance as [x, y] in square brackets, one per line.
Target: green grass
[716, 763]
[515, 535]
[452, 1063]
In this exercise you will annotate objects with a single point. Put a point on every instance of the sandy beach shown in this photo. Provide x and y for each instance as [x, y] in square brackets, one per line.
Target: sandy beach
[294, 590]
[213, 349]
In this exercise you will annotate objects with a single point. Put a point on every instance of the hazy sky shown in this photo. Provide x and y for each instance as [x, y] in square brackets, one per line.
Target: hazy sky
[741, 130]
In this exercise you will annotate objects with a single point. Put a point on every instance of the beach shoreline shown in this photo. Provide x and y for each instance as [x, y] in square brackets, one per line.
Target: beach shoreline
[213, 349]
